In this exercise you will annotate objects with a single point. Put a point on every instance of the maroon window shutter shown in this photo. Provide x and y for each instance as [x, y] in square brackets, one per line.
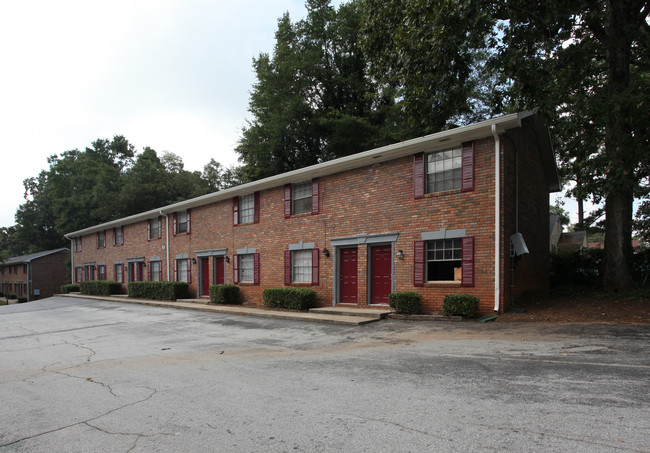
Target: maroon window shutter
[256, 205]
[114, 234]
[149, 272]
[159, 227]
[148, 230]
[315, 256]
[235, 268]
[189, 221]
[287, 267]
[418, 175]
[419, 273]
[314, 196]
[467, 270]
[175, 222]
[97, 239]
[467, 178]
[175, 271]
[189, 270]
[256, 268]
[287, 201]
[160, 279]
[235, 211]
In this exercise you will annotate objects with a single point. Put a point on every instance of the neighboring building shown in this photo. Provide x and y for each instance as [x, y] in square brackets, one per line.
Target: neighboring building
[412, 216]
[35, 276]
[555, 231]
[575, 240]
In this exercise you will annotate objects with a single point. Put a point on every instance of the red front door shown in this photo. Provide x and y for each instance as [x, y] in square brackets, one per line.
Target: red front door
[348, 276]
[219, 271]
[205, 276]
[380, 274]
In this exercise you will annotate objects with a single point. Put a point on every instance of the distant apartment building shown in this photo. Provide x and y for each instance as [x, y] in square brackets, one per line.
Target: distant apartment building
[35, 276]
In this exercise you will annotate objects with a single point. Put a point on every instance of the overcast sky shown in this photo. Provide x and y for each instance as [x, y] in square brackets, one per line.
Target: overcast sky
[174, 75]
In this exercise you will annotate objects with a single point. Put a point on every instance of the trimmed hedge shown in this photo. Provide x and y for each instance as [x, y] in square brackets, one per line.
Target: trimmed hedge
[22, 300]
[158, 290]
[10, 296]
[464, 305]
[69, 288]
[289, 298]
[100, 288]
[224, 294]
[408, 303]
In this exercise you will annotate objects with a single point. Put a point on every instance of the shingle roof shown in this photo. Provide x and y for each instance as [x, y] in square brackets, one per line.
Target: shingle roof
[31, 257]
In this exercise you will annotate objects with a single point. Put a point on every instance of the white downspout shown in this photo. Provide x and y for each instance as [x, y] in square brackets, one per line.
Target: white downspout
[497, 218]
[71, 261]
[167, 238]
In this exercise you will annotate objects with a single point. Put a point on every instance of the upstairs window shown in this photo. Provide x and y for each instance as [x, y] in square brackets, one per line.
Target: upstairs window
[301, 198]
[118, 236]
[182, 222]
[101, 239]
[77, 244]
[246, 209]
[443, 171]
[154, 228]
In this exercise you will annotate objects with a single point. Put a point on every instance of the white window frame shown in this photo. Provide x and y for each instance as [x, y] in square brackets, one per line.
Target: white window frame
[444, 170]
[443, 250]
[301, 266]
[247, 208]
[301, 193]
[181, 222]
[247, 268]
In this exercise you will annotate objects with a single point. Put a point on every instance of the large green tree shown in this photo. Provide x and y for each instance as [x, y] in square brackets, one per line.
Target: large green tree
[313, 99]
[583, 63]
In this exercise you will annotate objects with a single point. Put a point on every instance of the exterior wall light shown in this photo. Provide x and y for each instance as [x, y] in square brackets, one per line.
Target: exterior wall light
[400, 254]
[326, 252]
[227, 259]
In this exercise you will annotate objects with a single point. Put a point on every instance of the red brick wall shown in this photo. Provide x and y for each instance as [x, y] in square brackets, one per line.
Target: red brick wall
[49, 273]
[369, 200]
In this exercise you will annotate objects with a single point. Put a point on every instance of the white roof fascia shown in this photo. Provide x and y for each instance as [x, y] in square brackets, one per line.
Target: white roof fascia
[440, 140]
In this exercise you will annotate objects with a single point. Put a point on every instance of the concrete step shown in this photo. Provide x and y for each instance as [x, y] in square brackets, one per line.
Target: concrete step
[195, 301]
[373, 313]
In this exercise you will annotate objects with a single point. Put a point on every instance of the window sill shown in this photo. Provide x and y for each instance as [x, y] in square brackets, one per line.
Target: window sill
[440, 194]
[246, 284]
[300, 284]
[302, 214]
[444, 284]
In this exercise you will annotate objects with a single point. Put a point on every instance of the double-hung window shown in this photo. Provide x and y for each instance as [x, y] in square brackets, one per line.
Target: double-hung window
[246, 209]
[182, 222]
[101, 239]
[77, 244]
[444, 260]
[444, 170]
[301, 264]
[154, 228]
[89, 270]
[78, 274]
[101, 272]
[301, 198]
[183, 270]
[118, 235]
[155, 271]
[246, 268]
[118, 273]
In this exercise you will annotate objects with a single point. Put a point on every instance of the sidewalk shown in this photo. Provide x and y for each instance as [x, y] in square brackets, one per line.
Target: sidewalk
[330, 315]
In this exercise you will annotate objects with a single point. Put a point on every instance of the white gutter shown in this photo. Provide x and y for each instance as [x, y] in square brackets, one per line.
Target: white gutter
[167, 238]
[497, 217]
[72, 261]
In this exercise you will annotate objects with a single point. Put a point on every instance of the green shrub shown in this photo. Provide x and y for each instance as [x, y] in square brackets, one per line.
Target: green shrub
[464, 305]
[100, 288]
[576, 267]
[2, 294]
[224, 294]
[70, 288]
[11, 296]
[158, 290]
[289, 298]
[22, 300]
[408, 303]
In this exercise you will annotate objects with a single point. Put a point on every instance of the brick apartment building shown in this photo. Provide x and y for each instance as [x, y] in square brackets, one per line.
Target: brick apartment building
[35, 276]
[413, 216]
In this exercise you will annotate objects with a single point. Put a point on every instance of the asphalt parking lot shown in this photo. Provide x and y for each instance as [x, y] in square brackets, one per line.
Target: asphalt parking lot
[87, 376]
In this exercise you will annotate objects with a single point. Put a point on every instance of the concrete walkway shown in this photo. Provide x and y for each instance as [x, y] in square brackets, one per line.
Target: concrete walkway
[330, 315]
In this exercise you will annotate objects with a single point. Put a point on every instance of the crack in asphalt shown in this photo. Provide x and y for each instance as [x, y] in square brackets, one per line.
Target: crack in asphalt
[34, 333]
[87, 423]
[138, 436]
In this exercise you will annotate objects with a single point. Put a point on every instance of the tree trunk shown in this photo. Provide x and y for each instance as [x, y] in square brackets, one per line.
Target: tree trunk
[618, 140]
